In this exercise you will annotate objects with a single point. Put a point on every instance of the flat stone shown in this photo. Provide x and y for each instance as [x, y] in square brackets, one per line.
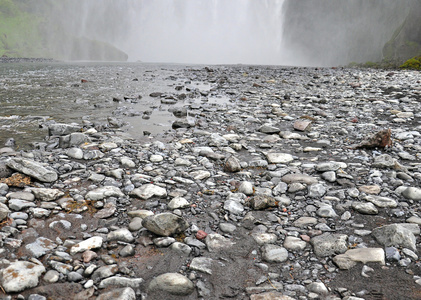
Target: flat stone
[148, 191]
[107, 211]
[364, 255]
[329, 244]
[299, 178]
[384, 161]
[45, 194]
[134, 283]
[33, 169]
[279, 158]
[233, 206]
[270, 296]
[382, 201]
[118, 294]
[104, 192]
[88, 244]
[59, 129]
[202, 264]
[305, 221]
[366, 208]
[370, 189]
[74, 139]
[330, 166]
[269, 129]
[21, 196]
[172, 283]
[302, 125]
[21, 275]
[294, 243]
[18, 205]
[274, 253]
[41, 246]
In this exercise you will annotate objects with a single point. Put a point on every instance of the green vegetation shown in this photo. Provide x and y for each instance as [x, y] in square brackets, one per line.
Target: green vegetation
[28, 29]
[412, 64]
[19, 34]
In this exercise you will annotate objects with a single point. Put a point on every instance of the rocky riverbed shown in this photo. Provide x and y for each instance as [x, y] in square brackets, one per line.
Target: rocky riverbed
[267, 186]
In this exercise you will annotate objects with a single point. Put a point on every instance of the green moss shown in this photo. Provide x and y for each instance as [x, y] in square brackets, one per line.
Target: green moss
[412, 63]
[19, 34]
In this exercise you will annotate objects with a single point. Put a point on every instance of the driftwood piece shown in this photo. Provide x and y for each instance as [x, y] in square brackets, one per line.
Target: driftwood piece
[381, 139]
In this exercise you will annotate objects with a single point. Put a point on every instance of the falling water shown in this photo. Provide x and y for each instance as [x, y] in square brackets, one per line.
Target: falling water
[181, 31]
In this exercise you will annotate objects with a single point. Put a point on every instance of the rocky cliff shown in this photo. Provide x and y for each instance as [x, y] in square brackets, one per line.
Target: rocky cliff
[332, 32]
[28, 30]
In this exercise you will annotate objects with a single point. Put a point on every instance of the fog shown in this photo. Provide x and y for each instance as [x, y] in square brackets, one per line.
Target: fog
[274, 32]
[180, 31]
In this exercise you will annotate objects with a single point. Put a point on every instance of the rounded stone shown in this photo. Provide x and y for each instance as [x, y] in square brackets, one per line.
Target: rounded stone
[172, 283]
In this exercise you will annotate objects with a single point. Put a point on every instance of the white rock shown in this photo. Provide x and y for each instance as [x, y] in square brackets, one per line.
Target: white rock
[279, 158]
[178, 202]
[89, 244]
[148, 191]
[104, 192]
[21, 275]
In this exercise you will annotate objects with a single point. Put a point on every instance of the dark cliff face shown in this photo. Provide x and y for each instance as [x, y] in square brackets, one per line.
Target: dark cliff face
[337, 32]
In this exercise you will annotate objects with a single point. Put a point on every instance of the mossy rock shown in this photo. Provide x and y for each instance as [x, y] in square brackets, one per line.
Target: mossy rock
[412, 63]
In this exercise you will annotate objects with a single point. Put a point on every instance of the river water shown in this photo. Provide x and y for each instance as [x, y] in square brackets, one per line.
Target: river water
[33, 94]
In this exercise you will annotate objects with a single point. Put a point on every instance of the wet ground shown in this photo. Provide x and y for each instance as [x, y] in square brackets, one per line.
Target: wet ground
[34, 92]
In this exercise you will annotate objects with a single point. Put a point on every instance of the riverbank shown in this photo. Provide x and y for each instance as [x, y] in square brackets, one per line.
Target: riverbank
[263, 187]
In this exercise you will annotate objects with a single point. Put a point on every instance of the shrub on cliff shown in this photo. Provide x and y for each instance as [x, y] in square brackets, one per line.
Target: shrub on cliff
[412, 63]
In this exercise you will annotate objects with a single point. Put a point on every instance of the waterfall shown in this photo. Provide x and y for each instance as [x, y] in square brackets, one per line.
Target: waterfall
[181, 31]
